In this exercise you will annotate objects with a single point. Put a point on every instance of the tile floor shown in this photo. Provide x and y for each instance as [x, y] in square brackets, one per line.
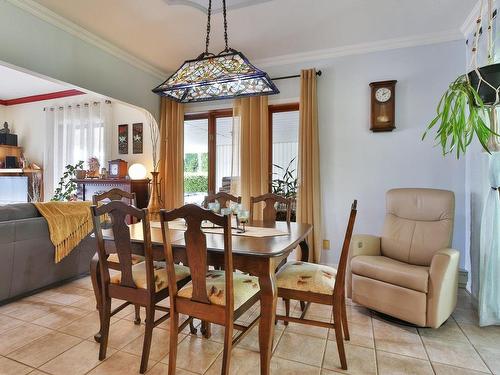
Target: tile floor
[52, 333]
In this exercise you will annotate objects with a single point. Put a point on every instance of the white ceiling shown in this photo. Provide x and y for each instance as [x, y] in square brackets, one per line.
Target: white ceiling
[164, 34]
[15, 84]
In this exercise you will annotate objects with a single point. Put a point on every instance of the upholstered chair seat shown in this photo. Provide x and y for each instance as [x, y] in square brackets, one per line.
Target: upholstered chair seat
[409, 272]
[135, 258]
[160, 274]
[307, 277]
[244, 286]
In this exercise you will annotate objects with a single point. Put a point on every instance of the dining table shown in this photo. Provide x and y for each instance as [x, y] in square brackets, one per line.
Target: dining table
[260, 256]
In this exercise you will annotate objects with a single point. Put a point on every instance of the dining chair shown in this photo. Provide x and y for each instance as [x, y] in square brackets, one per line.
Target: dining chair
[269, 210]
[222, 198]
[316, 283]
[214, 296]
[144, 284]
[116, 194]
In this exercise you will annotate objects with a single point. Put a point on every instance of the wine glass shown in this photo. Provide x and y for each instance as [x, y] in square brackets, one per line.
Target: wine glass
[243, 216]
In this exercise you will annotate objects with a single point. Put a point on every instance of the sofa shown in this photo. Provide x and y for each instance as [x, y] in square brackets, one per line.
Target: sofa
[410, 272]
[28, 254]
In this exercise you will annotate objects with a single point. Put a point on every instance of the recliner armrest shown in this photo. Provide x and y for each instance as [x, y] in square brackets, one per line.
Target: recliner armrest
[443, 285]
[361, 244]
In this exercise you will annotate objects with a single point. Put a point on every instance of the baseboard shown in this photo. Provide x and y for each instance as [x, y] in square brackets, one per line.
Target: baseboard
[463, 278]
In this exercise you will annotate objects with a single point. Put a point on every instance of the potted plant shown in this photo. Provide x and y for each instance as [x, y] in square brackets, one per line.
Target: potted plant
[286, 186]
[467, 108]
[66, 188]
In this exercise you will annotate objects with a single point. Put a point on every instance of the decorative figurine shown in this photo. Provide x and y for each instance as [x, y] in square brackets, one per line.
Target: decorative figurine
[5, 129]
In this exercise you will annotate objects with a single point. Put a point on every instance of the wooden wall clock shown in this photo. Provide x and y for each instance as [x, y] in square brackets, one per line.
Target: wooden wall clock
[383, 106]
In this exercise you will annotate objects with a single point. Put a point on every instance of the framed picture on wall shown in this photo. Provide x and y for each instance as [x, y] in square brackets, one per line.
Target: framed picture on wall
[123, 139]
[137, 138]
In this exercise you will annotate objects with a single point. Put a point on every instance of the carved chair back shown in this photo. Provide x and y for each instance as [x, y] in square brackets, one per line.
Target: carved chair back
[222, 198]
[269, 211]
[196, 251]
[118, 212]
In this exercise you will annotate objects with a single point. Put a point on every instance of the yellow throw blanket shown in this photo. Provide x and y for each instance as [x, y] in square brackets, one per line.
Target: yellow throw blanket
[69, 223]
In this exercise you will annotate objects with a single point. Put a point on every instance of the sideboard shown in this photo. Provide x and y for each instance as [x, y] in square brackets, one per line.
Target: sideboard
[86, 188]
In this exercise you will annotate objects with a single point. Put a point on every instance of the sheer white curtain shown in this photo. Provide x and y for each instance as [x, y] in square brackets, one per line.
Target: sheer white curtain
[73, 133]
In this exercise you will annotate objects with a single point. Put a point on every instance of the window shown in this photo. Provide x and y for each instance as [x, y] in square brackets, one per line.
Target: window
[284, 148]
[207, 154]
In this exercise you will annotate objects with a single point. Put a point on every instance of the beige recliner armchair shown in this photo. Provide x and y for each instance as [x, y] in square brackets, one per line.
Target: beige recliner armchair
[410, 272]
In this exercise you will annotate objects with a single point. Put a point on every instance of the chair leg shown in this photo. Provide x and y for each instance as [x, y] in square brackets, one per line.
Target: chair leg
[337, 316]
[344, 321]
[206, 329]
[148, 335]
[174, 334]
[137, 319]
[287, 309]
[105, 321]
[192, 328]
[228, 346]
[302, 305]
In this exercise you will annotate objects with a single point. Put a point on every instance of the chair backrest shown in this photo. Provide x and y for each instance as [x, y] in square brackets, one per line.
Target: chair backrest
[339, 289]
[269, 211]
[115, 194]
[118, 211]
[222, 198]
[418, 222]
[196, 250]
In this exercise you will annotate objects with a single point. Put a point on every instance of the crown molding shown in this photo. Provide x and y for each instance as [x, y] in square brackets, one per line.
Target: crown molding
[469, 23]
[72, 28]
[362, 48]
[41, 97]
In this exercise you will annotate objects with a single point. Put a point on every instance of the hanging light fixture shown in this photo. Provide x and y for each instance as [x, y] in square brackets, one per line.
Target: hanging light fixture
[212, 77]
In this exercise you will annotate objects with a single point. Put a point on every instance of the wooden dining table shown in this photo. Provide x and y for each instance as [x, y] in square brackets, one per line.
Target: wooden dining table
[258, 256]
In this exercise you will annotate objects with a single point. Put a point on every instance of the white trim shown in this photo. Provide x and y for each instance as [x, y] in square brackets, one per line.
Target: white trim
[64, 24]
[362, 48]
[470, 21]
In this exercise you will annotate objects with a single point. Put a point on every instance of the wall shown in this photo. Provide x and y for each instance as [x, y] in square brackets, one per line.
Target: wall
[28, 42]
[359, 164]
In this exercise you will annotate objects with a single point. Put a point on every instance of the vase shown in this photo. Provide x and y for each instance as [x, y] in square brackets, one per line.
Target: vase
[154, 204]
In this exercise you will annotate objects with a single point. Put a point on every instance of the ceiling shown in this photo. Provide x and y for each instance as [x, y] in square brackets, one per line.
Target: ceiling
[164, 33]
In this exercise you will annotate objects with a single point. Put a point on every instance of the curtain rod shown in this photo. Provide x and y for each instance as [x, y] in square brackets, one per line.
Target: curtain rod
[318, 73]
[107, 101]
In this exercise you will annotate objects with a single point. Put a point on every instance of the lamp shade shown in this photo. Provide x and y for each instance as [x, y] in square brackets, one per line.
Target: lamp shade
[137, 171]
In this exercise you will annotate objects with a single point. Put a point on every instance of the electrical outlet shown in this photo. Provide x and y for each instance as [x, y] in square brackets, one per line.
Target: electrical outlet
[326, 244]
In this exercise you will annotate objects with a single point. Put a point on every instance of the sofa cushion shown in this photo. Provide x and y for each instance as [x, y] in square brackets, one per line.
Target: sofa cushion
[19, 211]
[391, 271]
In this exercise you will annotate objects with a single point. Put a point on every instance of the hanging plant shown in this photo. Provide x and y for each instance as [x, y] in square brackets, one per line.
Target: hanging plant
[467, 108]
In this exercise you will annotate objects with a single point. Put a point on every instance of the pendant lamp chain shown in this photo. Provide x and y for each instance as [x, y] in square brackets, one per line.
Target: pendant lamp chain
[209, 19]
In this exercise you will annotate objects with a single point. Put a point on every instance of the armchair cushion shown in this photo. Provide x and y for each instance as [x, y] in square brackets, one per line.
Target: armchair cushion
[391, 271]
[307, 277]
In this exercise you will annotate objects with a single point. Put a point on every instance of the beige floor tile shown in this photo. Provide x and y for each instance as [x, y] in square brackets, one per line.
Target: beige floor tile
[20, 336]
[243, 362]
[120, 363]
[10, 367]
[7, 322]
[122, 333]
[85, 327]
[66, 294]
[87, 303]
[38, 352]
[60, 317]
[162, 369]
[300, 348]
[197, 355]
[76, 361]
[251, 340]
[398, 339]
[29, 310]
[484, 336]
[358, 314]
[464, 300]
[466, 316]
[304, 329]
[454, 353]
[284, 366]
[395, 364]
[360, 334]
[360, 360]
[491, 355]
[159, 344]
[441, 369]
[449, 330]
[84, 282]
[37, 372]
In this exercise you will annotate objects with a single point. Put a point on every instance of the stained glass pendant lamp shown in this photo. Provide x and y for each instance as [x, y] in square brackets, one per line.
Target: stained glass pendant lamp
[226, 75]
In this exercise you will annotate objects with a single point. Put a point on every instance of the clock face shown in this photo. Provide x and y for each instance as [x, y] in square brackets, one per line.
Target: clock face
[383, 94]
[113, 169]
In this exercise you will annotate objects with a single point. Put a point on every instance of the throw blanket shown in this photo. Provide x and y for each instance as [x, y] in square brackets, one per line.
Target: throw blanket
[69, 223]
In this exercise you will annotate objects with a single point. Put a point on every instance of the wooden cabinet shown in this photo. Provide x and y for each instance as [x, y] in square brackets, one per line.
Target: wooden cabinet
[88, 187]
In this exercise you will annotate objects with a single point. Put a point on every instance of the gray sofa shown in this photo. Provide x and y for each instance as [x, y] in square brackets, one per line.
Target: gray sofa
[27, 254]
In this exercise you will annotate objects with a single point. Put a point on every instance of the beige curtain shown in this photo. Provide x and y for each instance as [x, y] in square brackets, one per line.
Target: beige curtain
[309, 193]
[250, 149]
[172, 153]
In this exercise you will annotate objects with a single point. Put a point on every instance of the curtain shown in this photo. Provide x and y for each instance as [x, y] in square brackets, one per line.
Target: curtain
[250, 175]
[73, 133]
[489, 286]
[309, 193]
[494, 141]
[172, 153]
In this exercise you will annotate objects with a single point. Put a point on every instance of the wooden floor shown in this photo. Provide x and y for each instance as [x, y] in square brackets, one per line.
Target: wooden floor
[51, 333]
